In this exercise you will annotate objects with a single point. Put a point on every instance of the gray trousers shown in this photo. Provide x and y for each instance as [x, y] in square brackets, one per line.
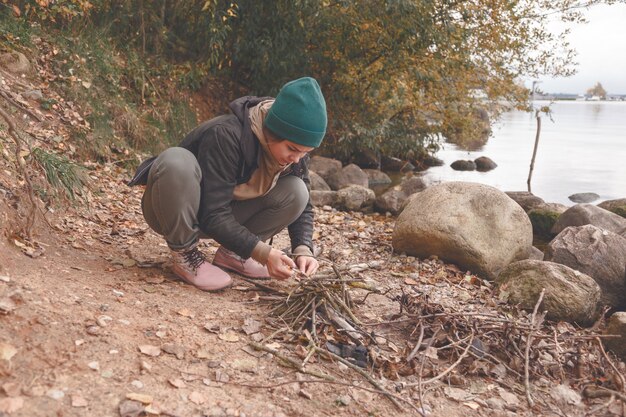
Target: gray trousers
[171, 202]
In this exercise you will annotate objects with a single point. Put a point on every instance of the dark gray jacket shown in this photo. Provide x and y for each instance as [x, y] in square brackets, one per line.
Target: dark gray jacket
[227, 151]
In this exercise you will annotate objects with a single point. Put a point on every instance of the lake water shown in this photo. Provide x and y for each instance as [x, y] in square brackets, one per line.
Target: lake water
[582, 150]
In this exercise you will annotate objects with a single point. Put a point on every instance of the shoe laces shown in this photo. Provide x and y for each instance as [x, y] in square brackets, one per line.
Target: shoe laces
[194, 258]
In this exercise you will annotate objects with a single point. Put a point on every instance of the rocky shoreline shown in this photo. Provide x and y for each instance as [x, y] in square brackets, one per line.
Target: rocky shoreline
[582, 269]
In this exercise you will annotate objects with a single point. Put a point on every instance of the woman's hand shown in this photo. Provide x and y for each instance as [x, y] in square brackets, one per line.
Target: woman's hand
[307, 264]
[279, 265]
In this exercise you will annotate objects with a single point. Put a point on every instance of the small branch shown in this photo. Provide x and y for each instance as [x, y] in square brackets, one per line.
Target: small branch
[529, 340]
[376, 384]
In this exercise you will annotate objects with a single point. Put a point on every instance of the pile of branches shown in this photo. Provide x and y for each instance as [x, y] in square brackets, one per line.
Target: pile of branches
[443, 344]
[499, 343]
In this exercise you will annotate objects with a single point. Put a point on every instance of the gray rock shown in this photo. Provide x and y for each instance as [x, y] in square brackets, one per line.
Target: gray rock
[570, 295]
[484, 164]
[525, 199]
[472, 225]
[598, 253]
[376, 177]
[324, 166]
[582, 214]
[413, 184]
[615, 206]
[317, 182]
[36, 95]
[324, 198]
[583, 197]
[355, 198]
[617, 326]
[349, 175]
[390, 201]
[544, 216]
[462, 165]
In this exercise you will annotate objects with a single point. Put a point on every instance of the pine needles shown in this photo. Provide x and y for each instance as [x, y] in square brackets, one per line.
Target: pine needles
[61, 173]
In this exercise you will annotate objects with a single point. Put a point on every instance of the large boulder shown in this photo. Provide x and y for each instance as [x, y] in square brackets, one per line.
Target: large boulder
[317, 182]
[324, 198]
[348, 175]
[616, 326]
[543, 218]
[570, 295]
[582, 214]
[324, 166]
[525, 199]
[598, 253]
[355, 198]
[473, 225]
[615, 206]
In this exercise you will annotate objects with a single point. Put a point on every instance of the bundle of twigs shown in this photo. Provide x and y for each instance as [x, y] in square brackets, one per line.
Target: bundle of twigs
[322, 298]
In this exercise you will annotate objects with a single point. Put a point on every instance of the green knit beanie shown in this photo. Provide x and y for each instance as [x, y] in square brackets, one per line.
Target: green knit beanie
[299, 113]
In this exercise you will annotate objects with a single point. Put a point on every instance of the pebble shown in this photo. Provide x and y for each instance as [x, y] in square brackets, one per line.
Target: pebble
[55, 394]
[118, 293]
[4, 278]
[103, 320]
[343, 400]
[95, 365]
[137, 384]
[93, 330]
[114, 352]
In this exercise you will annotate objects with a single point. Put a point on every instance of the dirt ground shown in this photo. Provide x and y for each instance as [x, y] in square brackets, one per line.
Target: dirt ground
[98, 326]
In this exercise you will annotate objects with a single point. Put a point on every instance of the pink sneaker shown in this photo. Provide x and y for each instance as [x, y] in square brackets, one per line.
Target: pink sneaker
[247, 267]
[192, 267]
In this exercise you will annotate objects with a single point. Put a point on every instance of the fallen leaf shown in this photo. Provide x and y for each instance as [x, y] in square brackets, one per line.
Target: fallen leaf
[78, 401]
[142, 398]
[7, 351]
[185, 312]
[471, 404]
[410, 281]
[12, 389]
[197, 398]
[129, 408]
[229, 336]
[11, 404]
[174, 349]
[150, 350]
[177, 382]
[251, 326]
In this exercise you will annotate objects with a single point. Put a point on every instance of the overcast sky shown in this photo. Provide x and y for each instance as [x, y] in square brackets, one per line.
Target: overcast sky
[601, 47]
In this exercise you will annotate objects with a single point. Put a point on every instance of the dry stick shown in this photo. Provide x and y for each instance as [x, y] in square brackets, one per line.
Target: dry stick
[619, 375]
[527, 352]
[261, 286]
[291, 362]
[365, 375]
[451, 367]
[18, 160]
[418, 345]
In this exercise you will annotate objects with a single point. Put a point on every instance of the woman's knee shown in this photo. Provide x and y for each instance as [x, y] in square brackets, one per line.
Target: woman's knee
[295, 192]
[176, 163]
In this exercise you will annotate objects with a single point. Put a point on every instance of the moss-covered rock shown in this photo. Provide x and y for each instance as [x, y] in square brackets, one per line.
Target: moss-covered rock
[543, 217]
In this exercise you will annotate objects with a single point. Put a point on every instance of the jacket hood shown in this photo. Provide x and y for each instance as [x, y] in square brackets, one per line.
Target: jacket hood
[249, 142]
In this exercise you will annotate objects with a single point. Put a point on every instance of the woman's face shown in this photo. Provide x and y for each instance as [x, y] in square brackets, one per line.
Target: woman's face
[285, 151]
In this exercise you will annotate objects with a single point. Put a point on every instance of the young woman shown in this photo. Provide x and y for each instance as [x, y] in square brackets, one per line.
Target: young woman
[239, 179]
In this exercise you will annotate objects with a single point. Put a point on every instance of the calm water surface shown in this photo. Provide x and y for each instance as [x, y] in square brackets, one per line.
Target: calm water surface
[582, 150]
